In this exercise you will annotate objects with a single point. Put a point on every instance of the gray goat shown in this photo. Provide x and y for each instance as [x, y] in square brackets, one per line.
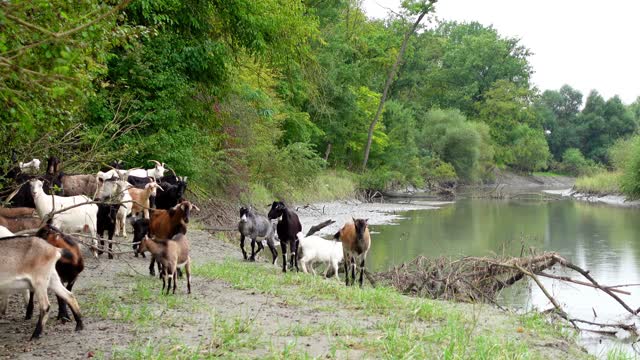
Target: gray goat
[257, 228]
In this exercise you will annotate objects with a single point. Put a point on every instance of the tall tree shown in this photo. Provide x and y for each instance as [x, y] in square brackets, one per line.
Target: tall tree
[421, 8]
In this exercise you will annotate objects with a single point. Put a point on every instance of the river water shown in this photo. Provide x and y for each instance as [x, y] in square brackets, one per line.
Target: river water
[602, 239]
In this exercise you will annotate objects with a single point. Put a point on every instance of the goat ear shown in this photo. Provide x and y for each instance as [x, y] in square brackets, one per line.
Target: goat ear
[353, 219]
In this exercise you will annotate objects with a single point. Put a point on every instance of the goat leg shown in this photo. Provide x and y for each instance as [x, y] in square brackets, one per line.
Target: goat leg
[30, 306]
[43, 302]
[346, 270]
[294, 256]
[274, 252]
[152, 271]
[253, 250]
[353, 271]
[175, 281]
[187, 269]
[244, 253]
[63, 312]
[361, 270]
[283, 245]
[111, 232]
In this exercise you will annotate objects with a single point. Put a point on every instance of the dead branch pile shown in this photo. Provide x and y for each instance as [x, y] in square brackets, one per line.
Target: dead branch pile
[480, 279]
[467, 279]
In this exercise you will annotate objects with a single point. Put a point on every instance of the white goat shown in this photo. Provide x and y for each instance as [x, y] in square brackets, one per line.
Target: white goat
[316, 249]
[156, 173]
[79, 219]
[34, 165]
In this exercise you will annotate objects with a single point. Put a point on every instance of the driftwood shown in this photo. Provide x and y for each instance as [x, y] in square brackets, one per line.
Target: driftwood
[316, 228]
[480, 279]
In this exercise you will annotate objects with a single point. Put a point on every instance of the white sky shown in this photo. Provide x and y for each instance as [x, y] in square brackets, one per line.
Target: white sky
[587, 44]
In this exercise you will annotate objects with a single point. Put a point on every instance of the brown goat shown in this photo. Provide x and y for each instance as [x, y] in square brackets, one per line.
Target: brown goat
[68, 267]
[28, 263]
[171, 254]
[73, 185]
[165, 224]
[140, 197]
[356, 243]
[17, 212]
[20, 223]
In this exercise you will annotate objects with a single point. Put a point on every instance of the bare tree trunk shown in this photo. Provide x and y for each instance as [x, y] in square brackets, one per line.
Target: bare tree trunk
[327, 152]
[389, 81]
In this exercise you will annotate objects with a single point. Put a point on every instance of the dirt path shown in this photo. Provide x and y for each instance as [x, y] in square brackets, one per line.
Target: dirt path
[255, 313]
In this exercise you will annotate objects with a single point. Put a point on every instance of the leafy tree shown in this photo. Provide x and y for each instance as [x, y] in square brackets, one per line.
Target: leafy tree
[455, 65]
[530, 150]
[558, 111]
[448, 135]
[602, 122]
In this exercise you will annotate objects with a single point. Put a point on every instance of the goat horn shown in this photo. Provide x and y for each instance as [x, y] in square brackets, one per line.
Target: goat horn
[174, 173]
[159, 187]
[195, 207]
[156, 161]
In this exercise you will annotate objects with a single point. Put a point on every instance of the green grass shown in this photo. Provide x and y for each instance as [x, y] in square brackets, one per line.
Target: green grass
[604, 183]
[406, 327]
[329, 185]
[546, 174]
[537, 323]
[142, 305]
[227, 337]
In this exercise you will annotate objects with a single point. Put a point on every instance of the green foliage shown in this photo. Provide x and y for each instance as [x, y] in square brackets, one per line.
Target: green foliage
[530, 150]
[248, 97]
[574, 163]
[630, 180]
[447, 134]
[438, 171]
[603, 183]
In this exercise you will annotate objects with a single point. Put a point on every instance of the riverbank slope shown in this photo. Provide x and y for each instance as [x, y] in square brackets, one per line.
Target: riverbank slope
[251, 310]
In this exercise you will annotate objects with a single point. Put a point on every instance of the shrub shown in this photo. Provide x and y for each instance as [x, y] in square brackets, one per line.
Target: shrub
[630, 181]
[574, 163]
[530, 150]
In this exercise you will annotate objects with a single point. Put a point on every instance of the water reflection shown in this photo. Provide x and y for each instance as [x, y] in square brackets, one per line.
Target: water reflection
[601, 239]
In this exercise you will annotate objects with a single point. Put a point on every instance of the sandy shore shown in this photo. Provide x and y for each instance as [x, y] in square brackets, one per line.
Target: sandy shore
[614, 200]
[343, 211]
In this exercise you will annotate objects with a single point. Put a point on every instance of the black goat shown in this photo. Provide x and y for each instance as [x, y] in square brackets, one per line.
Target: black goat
[106, 218]
[53, 165]
[172, 179]
[288, 228]
[139, 182]
[170, 194]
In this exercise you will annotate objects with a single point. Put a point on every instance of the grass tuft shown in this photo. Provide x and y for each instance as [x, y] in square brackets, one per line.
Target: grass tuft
[605, 183]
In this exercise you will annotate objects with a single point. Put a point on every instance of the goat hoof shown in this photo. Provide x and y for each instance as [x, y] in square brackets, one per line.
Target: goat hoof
[252, 259]
[110, 256]
[79, 326]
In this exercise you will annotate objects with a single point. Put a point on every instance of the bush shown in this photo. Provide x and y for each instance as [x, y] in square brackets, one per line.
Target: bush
[463, 144]
[380, 179]
[630, 181]
[574, 163]
[439, 172]
[530, 150]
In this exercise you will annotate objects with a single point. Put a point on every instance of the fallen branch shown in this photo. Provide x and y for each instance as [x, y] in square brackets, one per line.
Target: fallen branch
[319, 227]
[568, 279]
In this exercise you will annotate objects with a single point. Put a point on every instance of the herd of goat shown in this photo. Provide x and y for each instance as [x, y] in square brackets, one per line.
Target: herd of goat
[47, 214]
